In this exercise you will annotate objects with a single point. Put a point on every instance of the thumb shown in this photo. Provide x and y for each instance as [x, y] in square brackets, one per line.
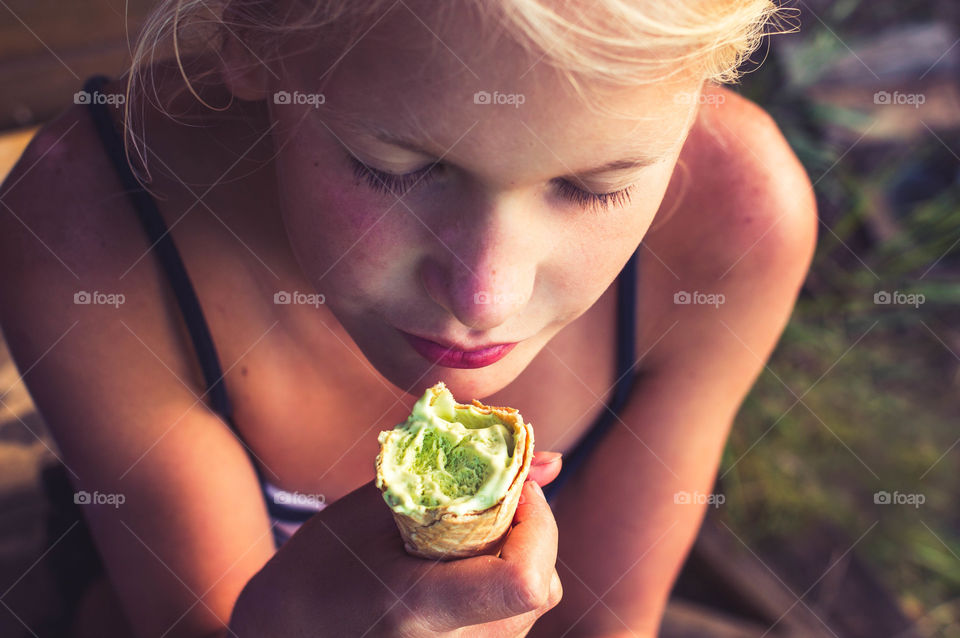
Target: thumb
[487, 588]
[532, 539]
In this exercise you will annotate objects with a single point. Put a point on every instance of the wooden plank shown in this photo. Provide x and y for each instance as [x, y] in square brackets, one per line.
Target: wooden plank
[761, 585]
[48, 48]
[29, 27]
[36, 92]
[12, 144]
[684, 619]
[722, 574]
[843, 590]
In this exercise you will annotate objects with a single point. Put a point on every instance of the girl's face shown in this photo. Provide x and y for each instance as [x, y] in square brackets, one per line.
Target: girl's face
[433, 189]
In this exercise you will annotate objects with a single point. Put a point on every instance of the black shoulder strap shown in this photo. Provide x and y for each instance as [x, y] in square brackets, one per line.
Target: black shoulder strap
[162, 242]
[626, 351]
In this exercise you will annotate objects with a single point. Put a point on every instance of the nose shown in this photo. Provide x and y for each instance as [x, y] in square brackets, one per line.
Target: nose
[483, 273]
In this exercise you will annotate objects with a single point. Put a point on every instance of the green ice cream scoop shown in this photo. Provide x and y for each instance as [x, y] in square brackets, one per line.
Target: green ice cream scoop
[460, 458]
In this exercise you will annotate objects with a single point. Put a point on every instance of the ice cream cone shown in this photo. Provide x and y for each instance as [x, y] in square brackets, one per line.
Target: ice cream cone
[438, 533]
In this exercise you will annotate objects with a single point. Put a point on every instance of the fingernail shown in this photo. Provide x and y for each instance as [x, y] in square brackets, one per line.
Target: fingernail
[546, 458]
[537, 487]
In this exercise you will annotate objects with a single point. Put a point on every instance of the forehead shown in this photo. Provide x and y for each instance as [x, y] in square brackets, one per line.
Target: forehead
[453, 83]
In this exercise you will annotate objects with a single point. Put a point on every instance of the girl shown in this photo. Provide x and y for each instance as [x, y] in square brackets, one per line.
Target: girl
[324, 207]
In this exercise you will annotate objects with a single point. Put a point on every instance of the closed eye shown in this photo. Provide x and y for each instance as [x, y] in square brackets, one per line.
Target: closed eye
[384, 182]
[399, 185]
[588, 199]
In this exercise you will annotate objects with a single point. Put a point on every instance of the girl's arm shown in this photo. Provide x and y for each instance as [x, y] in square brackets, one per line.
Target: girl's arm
[185, 527]
[623, 536]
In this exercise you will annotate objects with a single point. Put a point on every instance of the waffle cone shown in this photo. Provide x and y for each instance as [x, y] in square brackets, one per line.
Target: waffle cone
[441, 534]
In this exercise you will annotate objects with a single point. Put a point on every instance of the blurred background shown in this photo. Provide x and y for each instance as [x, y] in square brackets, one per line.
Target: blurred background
[840, 479]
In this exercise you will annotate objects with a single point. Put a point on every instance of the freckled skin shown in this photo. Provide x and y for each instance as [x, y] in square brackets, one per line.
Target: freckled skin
[491, 220]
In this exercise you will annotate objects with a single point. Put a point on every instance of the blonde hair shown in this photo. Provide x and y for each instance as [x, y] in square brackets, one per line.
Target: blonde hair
[620, 42]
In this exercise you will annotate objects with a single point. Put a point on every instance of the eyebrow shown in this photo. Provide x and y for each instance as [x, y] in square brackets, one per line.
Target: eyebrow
[625, 164]
[409, 144]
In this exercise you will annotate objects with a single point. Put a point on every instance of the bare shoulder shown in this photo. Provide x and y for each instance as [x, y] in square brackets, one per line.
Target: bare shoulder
[739, 222]
[739, 195]
[65, 199]
[75, 265]
[69, 221]
[62, 213]
[740, 187]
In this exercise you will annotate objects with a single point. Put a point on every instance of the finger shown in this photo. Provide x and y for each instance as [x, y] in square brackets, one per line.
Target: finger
[545, 467]
[517, 625]
[484, 589]
[556, 591]
[532, 540]
[544, 457]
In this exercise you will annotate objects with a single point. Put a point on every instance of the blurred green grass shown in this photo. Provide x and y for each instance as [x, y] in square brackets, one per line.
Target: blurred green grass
[861, 397]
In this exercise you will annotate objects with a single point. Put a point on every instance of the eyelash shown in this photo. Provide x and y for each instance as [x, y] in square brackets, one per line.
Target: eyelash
[597, 201]
[383, 182]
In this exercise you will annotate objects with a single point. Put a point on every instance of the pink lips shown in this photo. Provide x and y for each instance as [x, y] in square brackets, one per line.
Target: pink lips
[453, 358]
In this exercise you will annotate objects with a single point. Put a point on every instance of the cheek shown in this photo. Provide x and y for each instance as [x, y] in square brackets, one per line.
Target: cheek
[342, 234]
[354, 220]
[348, 235]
